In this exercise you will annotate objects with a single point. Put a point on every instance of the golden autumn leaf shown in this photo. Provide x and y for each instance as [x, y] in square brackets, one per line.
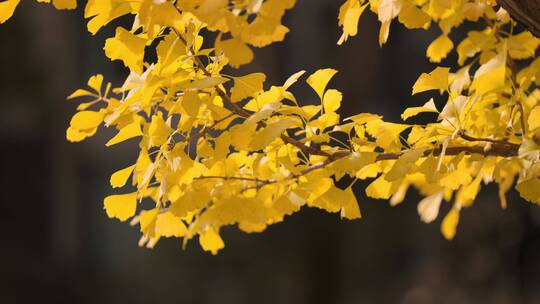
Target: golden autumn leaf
[7, 8]
[319, 80]
[122, 206]
[125, 133]
[211, 241]
[247, 86]
[128, 48]
[439, 48]
[435, 80]
[120, 177]
[449, 224]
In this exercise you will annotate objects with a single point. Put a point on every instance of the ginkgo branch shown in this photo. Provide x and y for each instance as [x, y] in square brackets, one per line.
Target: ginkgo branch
[243, 113]
[512, 65]
[522, 12]
[497, 149]
[205, 129]
[467, 137]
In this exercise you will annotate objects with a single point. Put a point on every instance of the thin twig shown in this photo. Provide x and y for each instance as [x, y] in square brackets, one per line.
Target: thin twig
[500, 150]
[243, 113]
[248, 179]
[490, 140]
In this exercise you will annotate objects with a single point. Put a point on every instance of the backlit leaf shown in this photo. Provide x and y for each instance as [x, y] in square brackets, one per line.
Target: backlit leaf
[319, 80]
[127, 132]
[247, 86]
[122, 206]
[128, 48]
[435, 80]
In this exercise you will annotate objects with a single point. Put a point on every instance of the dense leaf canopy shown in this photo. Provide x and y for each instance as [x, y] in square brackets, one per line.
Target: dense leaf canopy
[218, 149]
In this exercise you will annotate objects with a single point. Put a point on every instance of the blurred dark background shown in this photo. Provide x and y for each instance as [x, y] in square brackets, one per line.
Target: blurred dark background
[58, 245]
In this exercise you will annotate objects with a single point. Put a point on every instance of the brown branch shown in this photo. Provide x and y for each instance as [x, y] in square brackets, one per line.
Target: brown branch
[514, 69]
[205, 129]
[248, 179]
[522, 118]
[525, 12]
[497, 149]
[476, 139]
[243, 113]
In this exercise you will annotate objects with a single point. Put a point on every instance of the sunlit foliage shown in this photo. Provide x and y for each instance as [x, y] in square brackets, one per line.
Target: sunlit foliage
[218, 149]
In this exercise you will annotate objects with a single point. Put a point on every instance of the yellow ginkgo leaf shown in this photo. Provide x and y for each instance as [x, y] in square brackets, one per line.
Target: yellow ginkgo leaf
[211, 241]
[247, 86]
[122, 206]
[428, 208]
[387, 134]
[398, 197]
[158, 131]
[191, 103]
[103, 11]
[384, 31]
[75, 135]
[435, 80]
[332, 100]
[427, 107]
[319, 80]
[269, 133]
[467, 193]
[79, 93]
[382, 189]
[127, 132]
[238, 136]
[428, 168]
[350, 209]
[349, 15]
[474, 10]
[453, 108]
[128, 48]
[155, 14]
[460, 80]
[7, 8]
[95, 82]
[403, 165]
[439, 48]
[207, 82]
[388, 9]
[354, 162]
[236, 51]
[413, 17]
[534, 118]
[147, 221]
[272, 96]
[363, 118]
[264, 112]
[189, 202]
[522, 45]
[449, 224]
[255, 37]
[293, 79]
[530, 190]
[169, 225]
[168, 51]
[331, 200]
[65, 4]
[491, 75]
[86, 120]
[120, 177]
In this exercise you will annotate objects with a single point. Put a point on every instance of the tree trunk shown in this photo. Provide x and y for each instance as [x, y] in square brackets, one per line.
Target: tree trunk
[525, 12]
